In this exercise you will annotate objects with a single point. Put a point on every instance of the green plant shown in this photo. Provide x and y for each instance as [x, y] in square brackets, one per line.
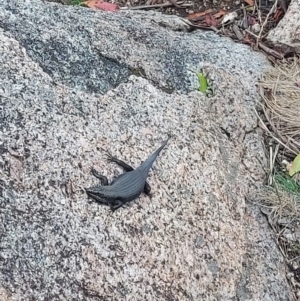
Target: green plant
[202, 82]
[75, 2]
[286, 183]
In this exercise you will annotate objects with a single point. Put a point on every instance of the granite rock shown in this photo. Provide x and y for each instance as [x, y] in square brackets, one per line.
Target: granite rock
[75, 83]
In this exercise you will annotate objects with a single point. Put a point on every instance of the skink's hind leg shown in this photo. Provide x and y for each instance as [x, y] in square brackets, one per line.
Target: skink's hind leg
[116, 205]
[147, 189]
[102, 178]
[121, 163]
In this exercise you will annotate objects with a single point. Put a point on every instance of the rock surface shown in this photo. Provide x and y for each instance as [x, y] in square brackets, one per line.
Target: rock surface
[287, 32]
[74, 83]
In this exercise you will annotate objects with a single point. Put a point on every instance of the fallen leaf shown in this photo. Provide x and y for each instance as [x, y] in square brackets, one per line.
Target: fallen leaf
[106, 6]
[198, 14]
[247, 39]
[277, 15]
[211, 13]
[91, 3]
[229, 17]
[220, 13]
[249, 2]
[210, 20]
[295, 166]
[251, 20]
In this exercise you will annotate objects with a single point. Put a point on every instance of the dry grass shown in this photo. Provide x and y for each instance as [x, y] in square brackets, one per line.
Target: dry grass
[280, 200]
[281, 203]
[280, 90]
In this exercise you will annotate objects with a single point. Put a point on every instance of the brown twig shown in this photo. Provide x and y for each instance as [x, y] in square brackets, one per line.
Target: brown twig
[269, 50]
[266, 20]
[174, 3]
[180, 3]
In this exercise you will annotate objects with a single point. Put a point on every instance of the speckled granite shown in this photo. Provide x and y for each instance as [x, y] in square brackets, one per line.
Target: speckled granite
[196, 238]
[287, 32]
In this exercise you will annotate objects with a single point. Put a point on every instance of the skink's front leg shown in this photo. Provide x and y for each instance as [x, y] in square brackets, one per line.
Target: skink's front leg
[102, 178]
[121, 163]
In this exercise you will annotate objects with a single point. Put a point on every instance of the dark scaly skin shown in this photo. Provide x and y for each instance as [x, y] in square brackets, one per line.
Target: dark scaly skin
[126, 187]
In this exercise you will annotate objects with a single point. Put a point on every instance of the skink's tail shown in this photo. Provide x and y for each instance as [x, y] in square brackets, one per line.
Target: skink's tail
[148, 163]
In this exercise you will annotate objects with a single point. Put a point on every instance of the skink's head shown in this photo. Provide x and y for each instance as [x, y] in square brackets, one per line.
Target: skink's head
[97, 193]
